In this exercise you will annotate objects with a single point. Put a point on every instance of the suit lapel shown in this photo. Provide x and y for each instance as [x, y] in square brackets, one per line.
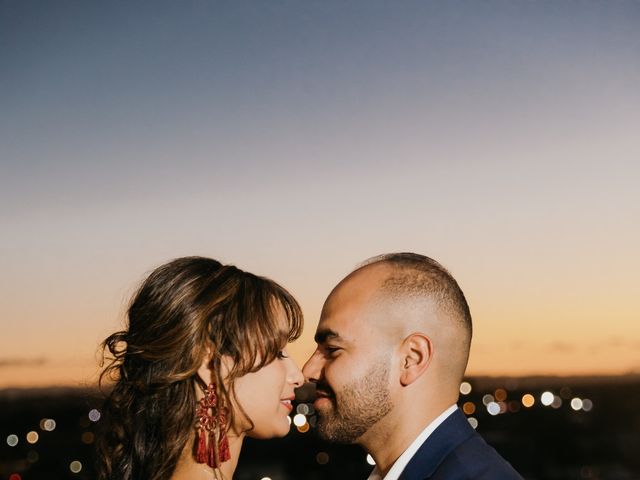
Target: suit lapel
[451, 433]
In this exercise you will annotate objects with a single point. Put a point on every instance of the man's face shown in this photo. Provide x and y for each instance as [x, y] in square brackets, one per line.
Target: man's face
[350, 366]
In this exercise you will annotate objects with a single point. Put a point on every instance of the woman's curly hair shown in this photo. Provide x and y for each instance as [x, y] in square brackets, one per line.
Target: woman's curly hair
[184, 309]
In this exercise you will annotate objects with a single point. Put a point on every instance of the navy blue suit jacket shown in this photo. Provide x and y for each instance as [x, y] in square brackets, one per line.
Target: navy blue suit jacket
[455, 451]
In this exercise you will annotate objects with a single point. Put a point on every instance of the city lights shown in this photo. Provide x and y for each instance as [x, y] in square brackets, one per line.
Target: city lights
[487, 399]
[12, 440]
[299, 420]
[75, 466]
[493, 408]
[87, 438]
[528, 400]
[469, 408]
[32, 437]
[546, 398]
[322, 458]
[465, 388]
[576, 403]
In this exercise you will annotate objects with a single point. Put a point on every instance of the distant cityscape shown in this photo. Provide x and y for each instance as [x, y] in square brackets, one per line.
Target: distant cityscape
[547, 427]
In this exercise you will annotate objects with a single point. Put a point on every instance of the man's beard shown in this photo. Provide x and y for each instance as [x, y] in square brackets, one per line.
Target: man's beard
[361, 404]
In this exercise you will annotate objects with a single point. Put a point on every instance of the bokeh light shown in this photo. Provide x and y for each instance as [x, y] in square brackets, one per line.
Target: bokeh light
[303, 428]
[500, 394]
[576, 403]
[528, 400]
[487, 399]
[32, 436]
[493, 408]
[513, 406]
[370, 460]
[87, 438]
[465, 388]
[302, 409]
[587, 405]
[469, 408]
[299, 420]
[546, 398]
[12, 440]
[473, 422]
[322, 458]
[75, 466]
[49, 425]
[94, 415]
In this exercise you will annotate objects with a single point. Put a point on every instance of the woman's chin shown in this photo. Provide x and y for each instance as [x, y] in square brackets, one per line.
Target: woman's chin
[276, 431]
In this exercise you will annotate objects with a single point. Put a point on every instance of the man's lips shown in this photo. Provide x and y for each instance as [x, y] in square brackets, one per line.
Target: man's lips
[322, 397]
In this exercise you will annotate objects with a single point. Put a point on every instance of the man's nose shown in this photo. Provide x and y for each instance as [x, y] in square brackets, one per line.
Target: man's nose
[312, 368]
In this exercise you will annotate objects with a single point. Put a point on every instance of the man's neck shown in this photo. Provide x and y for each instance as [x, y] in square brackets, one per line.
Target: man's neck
[392, 435]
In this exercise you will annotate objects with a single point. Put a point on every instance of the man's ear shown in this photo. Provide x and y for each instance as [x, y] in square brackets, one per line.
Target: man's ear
[416, 351]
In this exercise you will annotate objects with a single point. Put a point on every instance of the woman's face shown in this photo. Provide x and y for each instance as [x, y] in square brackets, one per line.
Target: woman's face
[266, 396]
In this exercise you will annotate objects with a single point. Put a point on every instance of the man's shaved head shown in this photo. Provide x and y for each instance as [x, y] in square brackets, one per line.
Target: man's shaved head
[425, 287]
[417, 276]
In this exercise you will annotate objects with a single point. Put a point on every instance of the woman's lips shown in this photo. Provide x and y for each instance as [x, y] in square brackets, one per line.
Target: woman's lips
[287, 404]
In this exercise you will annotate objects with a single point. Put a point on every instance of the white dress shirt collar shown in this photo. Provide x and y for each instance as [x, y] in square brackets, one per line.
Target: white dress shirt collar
[403, 460]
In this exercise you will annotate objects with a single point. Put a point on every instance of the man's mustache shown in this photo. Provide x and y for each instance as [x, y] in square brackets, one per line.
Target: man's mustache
[324, 390]
[308, 392]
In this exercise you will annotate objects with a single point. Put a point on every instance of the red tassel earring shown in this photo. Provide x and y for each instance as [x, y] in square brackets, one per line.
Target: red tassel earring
[213, 444]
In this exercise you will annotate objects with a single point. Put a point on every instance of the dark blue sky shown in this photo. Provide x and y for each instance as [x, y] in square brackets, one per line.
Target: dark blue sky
[298, 138]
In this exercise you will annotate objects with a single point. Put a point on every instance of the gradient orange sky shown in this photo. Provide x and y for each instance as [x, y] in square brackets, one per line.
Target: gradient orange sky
[297, 139]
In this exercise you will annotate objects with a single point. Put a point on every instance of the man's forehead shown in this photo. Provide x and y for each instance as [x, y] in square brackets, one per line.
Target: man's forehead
[358, 288]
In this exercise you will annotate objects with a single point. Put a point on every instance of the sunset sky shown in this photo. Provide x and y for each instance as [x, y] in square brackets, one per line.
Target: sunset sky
[296, 139]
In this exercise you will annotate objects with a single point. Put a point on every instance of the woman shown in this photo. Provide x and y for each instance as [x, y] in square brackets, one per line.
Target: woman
[201, 364]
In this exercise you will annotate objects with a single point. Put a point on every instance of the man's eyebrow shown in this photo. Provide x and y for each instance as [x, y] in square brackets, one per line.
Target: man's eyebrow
[326, 334]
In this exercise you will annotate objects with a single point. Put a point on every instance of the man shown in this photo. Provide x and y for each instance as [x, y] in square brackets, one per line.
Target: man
[393, 343]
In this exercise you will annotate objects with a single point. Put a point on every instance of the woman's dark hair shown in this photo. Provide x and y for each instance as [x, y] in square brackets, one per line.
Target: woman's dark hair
[184, 309]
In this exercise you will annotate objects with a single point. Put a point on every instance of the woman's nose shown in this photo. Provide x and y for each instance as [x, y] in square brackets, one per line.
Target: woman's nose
[296, 377]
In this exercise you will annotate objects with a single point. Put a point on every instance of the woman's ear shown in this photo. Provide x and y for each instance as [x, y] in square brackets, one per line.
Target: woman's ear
[416, 351]
[204, 372]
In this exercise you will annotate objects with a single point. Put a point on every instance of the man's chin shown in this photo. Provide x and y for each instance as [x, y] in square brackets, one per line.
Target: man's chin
[328, 431]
